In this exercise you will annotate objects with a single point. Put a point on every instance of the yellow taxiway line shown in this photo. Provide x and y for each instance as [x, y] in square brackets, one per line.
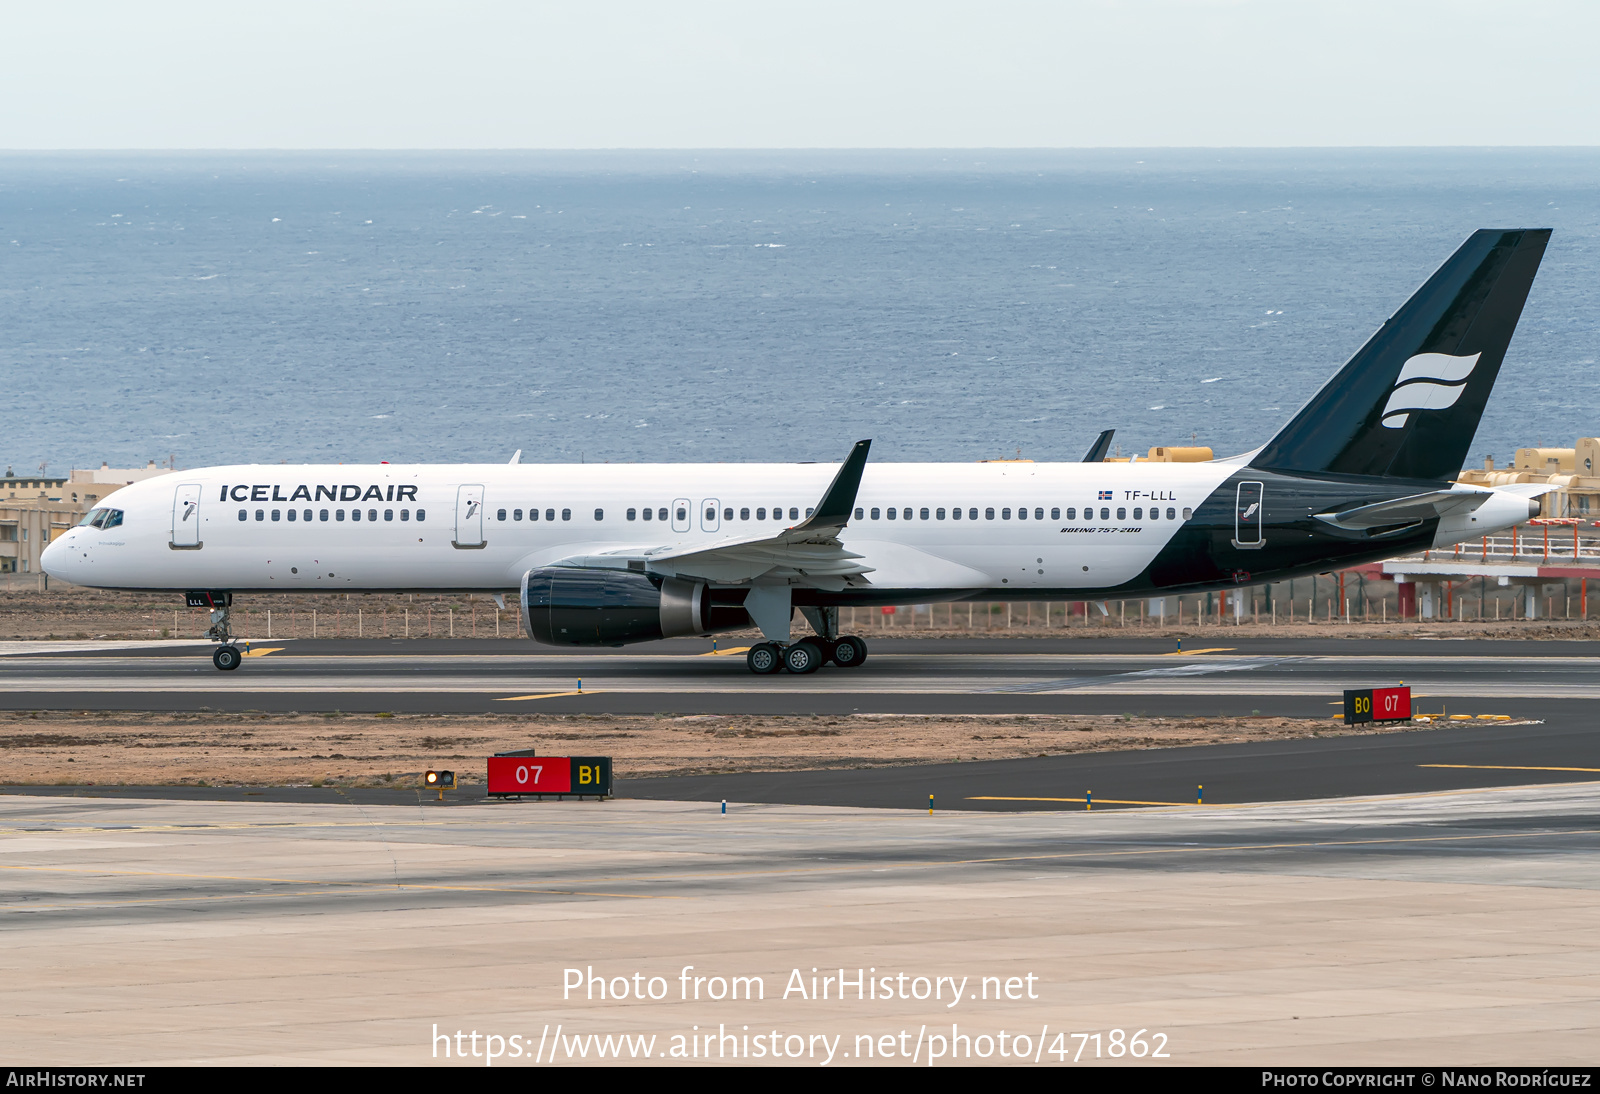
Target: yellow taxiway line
[1102, 801]
[1507, 767]
[724, 653]
[546, 695]
[262, 652]
[1191, 653]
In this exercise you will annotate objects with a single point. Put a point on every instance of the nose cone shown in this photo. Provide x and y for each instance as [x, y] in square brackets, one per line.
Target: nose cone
[53, 559]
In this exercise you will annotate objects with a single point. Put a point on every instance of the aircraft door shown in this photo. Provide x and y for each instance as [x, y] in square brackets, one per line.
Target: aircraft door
[1247, 516]
[186, 518]
[680, 515]
[469, 518]
[710, 515]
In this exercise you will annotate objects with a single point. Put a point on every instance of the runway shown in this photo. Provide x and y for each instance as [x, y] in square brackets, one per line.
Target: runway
[1372, 930]
[1298, 677]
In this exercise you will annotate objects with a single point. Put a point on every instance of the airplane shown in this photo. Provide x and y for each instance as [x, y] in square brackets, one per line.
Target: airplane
[607, 555]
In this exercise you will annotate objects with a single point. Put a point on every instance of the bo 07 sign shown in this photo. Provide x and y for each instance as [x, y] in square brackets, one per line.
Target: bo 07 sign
[1377, 705]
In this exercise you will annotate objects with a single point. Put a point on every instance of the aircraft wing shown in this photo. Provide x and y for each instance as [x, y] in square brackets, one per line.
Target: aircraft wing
[809, 551]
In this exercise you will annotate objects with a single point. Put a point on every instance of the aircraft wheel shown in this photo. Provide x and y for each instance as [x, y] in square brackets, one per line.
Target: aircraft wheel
[226, 658]
[803, 657]
[849, 652]
[764, 659]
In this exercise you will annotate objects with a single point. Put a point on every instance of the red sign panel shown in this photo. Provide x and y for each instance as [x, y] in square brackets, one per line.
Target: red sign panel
[530, 775]
[1391, 704]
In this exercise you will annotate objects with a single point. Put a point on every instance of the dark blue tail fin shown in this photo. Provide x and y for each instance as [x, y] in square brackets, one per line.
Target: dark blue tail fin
[1407, 405]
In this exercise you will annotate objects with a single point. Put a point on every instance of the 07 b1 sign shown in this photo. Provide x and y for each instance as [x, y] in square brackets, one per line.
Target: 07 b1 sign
[518, 775]
[1377, 705]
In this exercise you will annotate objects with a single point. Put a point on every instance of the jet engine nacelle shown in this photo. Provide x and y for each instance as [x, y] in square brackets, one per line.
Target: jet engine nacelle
[573, 607]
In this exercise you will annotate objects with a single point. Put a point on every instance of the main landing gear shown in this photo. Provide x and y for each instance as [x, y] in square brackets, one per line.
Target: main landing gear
[807, 655]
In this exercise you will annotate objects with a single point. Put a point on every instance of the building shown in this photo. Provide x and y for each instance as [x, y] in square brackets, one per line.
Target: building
[35, 509]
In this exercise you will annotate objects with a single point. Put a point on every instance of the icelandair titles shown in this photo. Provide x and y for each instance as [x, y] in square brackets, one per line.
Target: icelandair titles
[324, 493]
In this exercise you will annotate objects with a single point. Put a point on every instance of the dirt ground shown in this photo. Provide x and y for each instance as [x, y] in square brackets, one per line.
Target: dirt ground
[70, 612]
[54, 748]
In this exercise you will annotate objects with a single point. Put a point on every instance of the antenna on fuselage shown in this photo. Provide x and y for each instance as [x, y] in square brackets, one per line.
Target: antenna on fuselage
[516, 457]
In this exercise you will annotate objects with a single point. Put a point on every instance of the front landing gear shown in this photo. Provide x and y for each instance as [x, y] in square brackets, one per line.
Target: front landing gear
[227, 656]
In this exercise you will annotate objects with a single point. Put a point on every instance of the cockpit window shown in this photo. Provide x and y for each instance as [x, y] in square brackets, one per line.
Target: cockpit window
[102, 518]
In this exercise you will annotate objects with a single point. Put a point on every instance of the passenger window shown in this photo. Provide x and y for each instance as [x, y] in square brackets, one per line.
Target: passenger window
[276, 515]
[632, 514]
[661, 514]
[599, 514]
[405, 514]
[516, 514]
[988, 514]
[648, 513]
[1055, 514]
[683, 514]
[292, 514]
[859, 514]
[955, 514]
[794, 514]
[727, 514]
[761, 514]
[1005, 514]
[1188, 514]
[1172, 514]
[500, 514]
[1105, 514]
[388, 514]
[711, 515]
[1122, 514]
[893, 513]
[261, 514]
[939, 513]
[1138, 514]
[744, 514]
[1038, 514]
[1072, 513]
[355, 514]
[924, 514]
[422, 514]
[243, 515]
[323, 515]
[566, 514]
[810, 511]
[1022, 514]
[372, 514]
[972, 514]
[875, 514]
[549, 514]
[533, 514]
[306, 515]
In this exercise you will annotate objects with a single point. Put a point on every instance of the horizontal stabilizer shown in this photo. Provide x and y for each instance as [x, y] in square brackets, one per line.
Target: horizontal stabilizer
[1407, 510]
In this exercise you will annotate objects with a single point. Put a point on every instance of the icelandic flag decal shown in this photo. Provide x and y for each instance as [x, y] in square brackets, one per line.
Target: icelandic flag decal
[1105, 495]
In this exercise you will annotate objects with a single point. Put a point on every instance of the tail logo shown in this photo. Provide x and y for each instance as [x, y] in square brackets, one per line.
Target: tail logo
[1428, 381]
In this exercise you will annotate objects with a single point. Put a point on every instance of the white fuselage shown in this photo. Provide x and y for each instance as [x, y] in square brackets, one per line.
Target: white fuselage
[337, 528]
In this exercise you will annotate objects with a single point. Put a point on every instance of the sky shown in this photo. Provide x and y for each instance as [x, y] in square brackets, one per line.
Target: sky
[489, 74]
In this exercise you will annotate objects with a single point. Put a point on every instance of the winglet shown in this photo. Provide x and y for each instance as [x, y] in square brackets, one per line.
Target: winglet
[833, 511]
[1102, 445]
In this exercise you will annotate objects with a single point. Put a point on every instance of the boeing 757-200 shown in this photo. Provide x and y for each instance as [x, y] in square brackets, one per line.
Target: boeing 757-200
[606, 555]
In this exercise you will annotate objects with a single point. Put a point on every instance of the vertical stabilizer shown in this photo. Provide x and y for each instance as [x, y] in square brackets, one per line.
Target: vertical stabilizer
[1408, 403]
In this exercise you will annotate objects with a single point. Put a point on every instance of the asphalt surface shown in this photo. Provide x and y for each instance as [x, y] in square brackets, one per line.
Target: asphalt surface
[1214, 675]
[1549, 687]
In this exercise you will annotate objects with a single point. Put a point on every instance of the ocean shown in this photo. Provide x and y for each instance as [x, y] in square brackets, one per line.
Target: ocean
[768, 306]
